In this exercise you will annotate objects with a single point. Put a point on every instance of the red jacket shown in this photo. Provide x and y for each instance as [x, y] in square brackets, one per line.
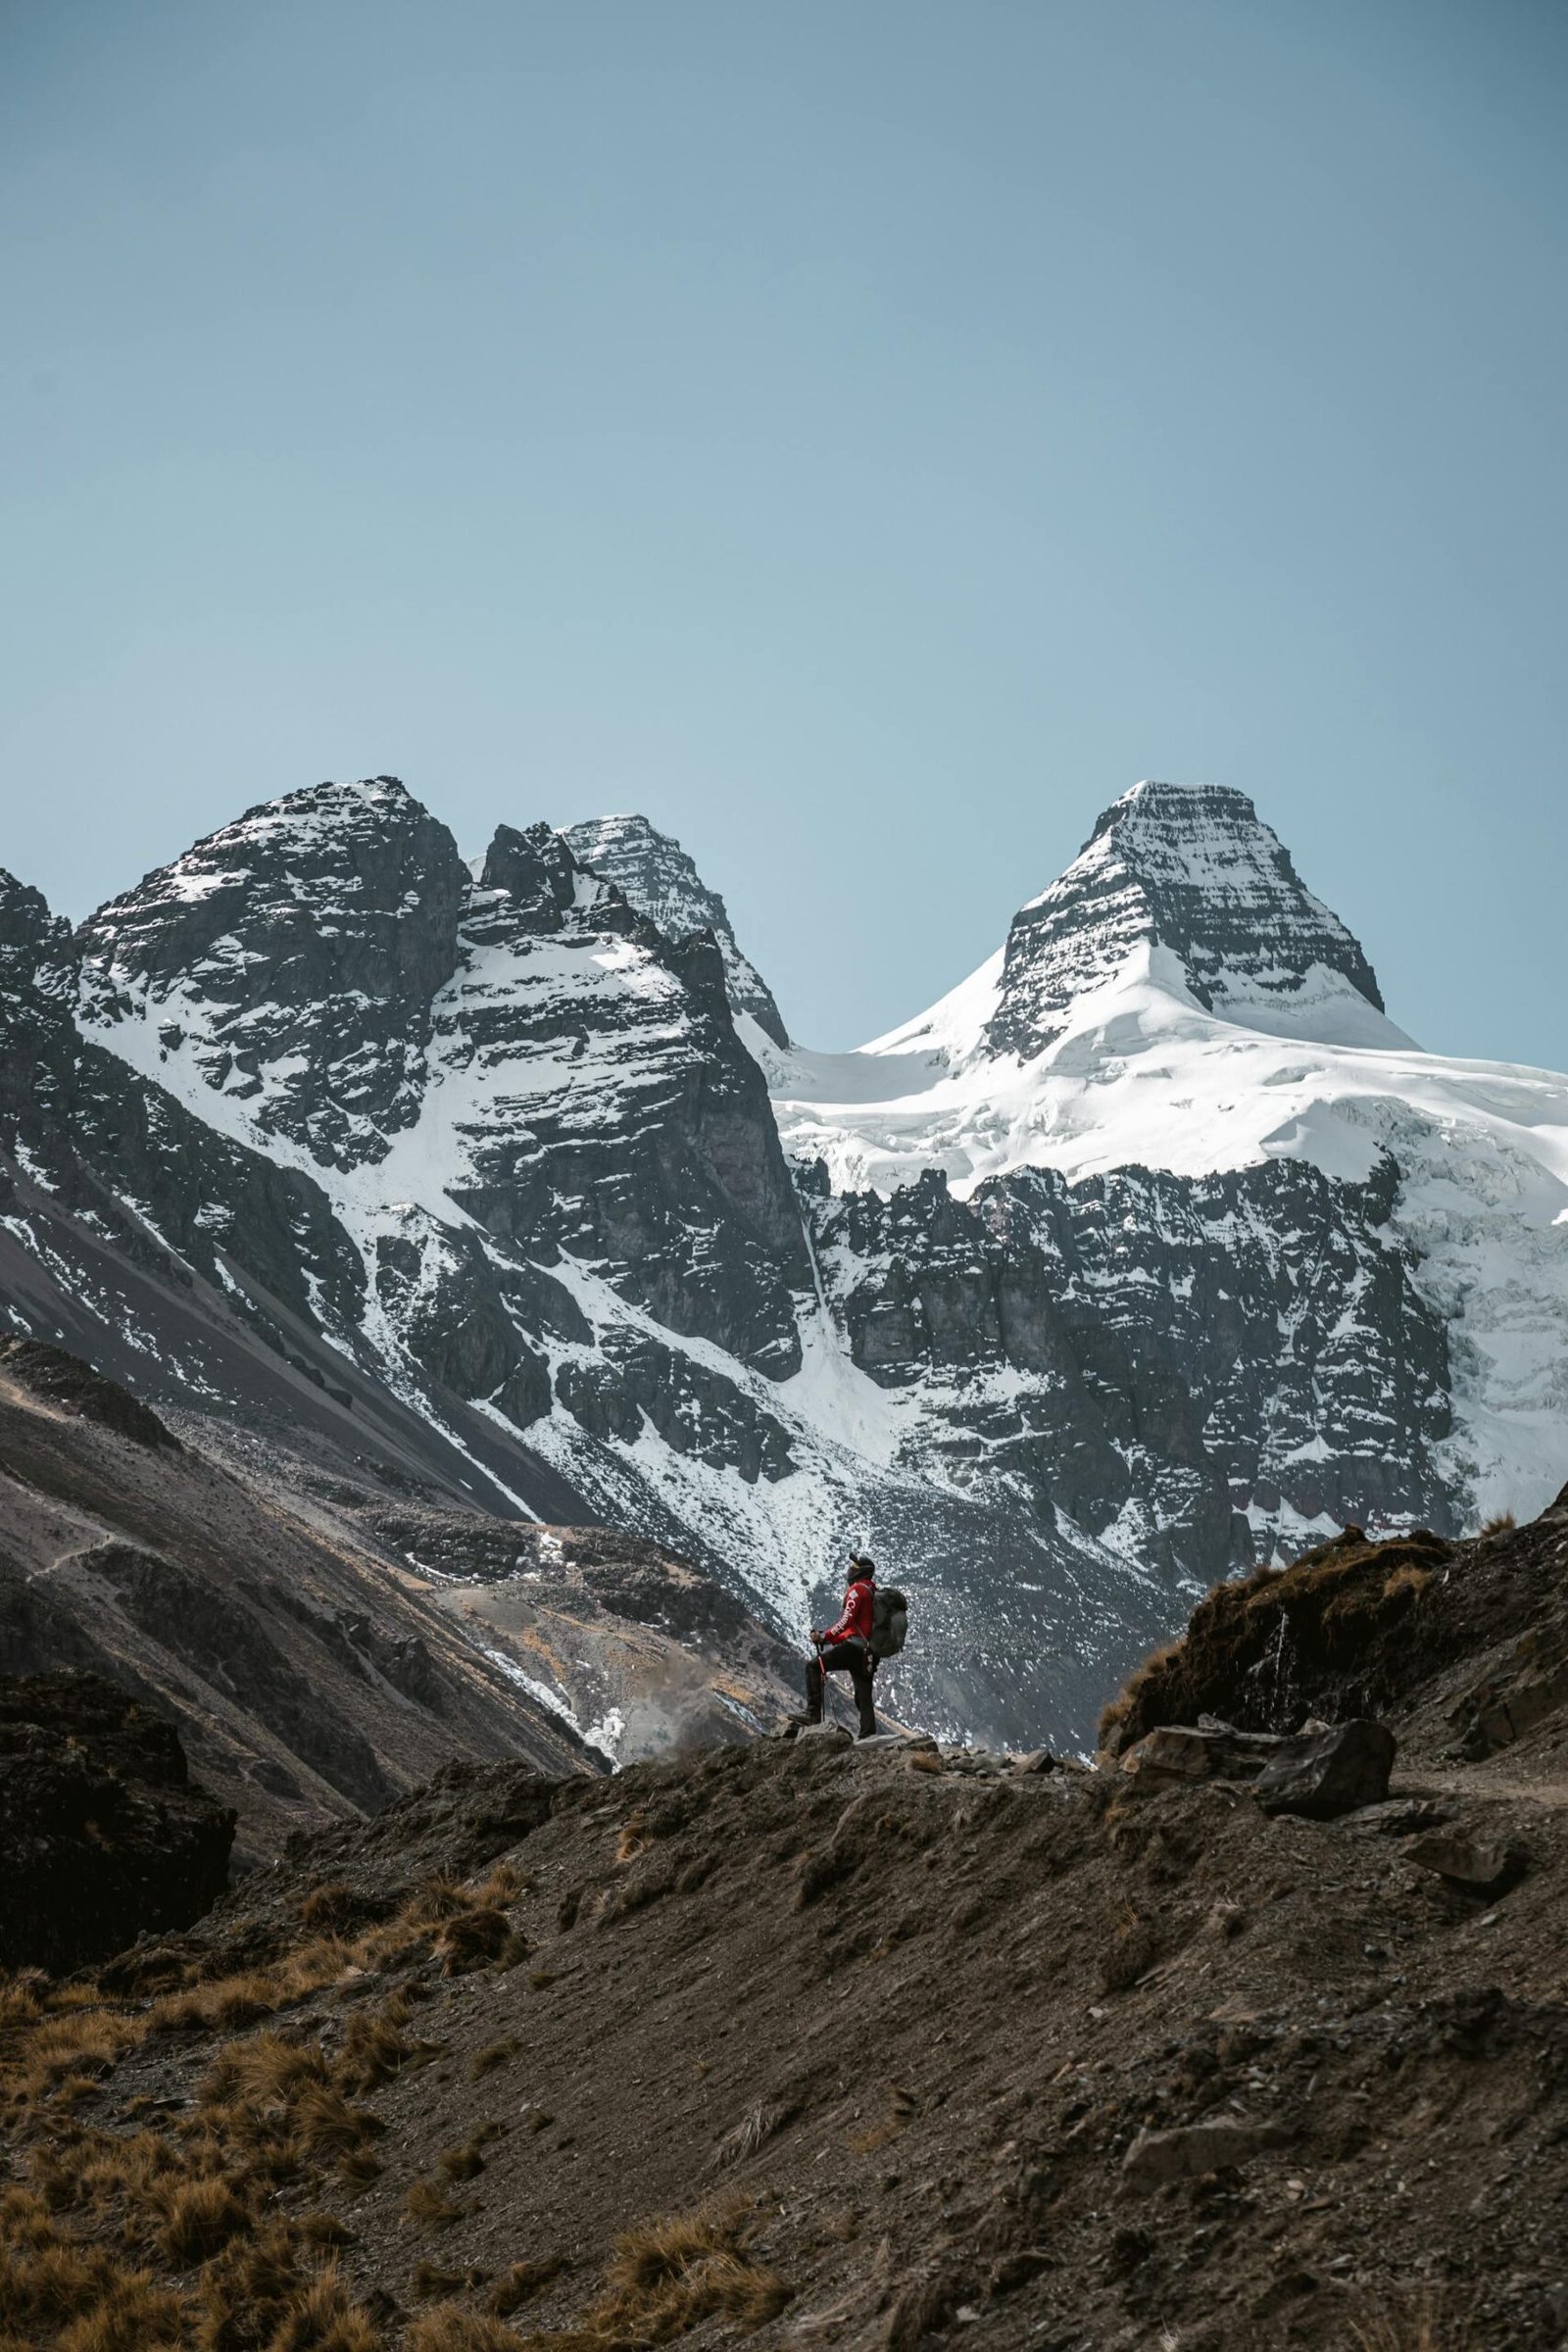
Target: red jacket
[857, 1617]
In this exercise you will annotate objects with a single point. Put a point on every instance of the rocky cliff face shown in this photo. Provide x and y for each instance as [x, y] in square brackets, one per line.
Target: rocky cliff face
[1188, 870]
[1153, 1249]
[654, 875]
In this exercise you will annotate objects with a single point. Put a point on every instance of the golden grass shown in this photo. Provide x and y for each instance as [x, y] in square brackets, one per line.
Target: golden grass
[164, 2237]
[668, 2276]
[450, 2327]
[471, 1939]
[1498, 1524]
[377, 2046]
[522, 2282]
[495, 2055]
[198, 2218]
[430, 2207]
[320, 2317]
[466, 2163]
[1409, 1579]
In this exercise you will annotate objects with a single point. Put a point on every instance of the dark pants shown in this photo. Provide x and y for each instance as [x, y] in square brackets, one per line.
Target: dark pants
[854, 1658]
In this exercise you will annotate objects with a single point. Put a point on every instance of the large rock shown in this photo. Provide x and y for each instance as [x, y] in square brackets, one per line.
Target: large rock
[1322, 1774]
[102, 1833]
[1179, 1753]
[1475, 1863]
[1193, 2150]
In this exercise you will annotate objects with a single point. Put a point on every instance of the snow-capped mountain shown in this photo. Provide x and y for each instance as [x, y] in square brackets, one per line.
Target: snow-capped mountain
[654, 873]
[1178, 1003]
[1151, 1248]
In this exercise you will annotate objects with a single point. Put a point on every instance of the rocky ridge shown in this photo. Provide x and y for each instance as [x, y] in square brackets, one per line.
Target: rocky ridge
[654, 875]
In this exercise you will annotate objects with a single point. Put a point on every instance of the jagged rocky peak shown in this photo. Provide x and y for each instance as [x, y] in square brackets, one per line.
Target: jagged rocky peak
[290, 958]
[1189, 869]
[654, 872]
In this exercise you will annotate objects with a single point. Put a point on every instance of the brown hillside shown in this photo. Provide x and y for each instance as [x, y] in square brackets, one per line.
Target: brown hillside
[874, 2047]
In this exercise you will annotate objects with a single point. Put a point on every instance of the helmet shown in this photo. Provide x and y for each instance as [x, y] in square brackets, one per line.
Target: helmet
[863, 1564]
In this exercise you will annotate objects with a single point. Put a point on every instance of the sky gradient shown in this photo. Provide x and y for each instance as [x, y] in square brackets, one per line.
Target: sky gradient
[867, 437]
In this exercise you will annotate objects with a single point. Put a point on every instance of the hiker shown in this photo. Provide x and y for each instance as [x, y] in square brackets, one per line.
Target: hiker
[847, 1648]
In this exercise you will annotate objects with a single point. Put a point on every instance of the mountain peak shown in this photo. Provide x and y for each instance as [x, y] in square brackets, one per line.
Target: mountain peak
[655, 875]
[1193, 870]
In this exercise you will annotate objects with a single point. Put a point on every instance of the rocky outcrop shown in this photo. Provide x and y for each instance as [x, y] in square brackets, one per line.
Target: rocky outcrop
[103, 1835]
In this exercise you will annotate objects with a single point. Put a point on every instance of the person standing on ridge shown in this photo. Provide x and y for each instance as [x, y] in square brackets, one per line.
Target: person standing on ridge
[847, 1648]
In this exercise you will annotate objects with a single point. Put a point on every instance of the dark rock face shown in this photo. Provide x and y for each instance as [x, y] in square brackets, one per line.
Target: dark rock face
[64, 1379]
[621, 1121]
[293, 955]
[102, 1834]
[654, 875]
[1193, 871]
[1191, 1348]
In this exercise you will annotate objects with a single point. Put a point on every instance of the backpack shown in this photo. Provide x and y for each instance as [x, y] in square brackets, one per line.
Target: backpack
[890, 1621]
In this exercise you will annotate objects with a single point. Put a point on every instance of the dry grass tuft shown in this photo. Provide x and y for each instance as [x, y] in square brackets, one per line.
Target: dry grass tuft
[199, 2218]
[473, 1938]
[326, 2124]
[1408, 1580]
[1131, 1953]
[430, 2207]
[504, 1885]
[377, 2047]
[524, 2282]
[449, 2327]
[1414, 2322]
[747, 2137]
[635, 1835]
[668, 2277]
[436, 1898]
[495, 2055]
[466, 2162]
[333, 1907]
[266, 2071]
[428, 2278]
[1499, 1524]
[320, 2317]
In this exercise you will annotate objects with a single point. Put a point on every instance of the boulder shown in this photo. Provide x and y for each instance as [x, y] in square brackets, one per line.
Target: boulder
[1193, 2150]
[1211, 1750]
[103, 1836]
[1323, 1773]
[1401, 1817]
[1472, 1862]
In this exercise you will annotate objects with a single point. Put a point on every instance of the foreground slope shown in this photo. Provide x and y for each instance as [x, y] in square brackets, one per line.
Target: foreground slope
[325, 1639]
[857, 2044]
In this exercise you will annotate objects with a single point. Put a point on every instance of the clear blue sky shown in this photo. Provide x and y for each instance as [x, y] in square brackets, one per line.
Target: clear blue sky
[866, 436]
